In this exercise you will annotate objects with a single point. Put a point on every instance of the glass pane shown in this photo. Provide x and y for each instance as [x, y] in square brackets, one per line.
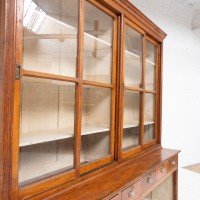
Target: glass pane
[164, 191]
[150, 66]
[47, 128]
[98, 35]
[131, 132]
[50, 36]
[133, 58]
[96, 108]
[149, 117]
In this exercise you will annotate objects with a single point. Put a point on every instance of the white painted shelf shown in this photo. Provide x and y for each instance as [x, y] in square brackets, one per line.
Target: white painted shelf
[148, 122]
[86, 130]
[37, 137]
[135, 124]
[131, 124]
[137, 57]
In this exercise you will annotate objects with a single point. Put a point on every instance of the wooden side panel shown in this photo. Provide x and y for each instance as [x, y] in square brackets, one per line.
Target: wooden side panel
[7, 43]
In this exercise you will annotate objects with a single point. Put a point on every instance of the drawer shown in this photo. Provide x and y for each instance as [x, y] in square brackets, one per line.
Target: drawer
[132, 192]
[173, 163]
[148, 180]
[162, 170]
[117, 197]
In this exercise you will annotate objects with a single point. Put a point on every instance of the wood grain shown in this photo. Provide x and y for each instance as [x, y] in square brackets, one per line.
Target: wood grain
[7, 75]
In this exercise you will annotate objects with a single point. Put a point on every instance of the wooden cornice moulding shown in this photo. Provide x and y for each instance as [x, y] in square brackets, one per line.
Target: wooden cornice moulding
[127, 8]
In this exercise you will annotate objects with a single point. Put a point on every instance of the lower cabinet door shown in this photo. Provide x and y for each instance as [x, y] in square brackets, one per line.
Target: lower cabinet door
[164, 191]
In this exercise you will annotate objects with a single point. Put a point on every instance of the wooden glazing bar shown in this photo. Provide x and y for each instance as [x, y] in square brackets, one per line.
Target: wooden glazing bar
[102, 7]
[95, 164]
[152, 41]
[134, 26]
[45, 184]
[47, 76]
[133, 88]
[149, 91]
[92, 83]
[150, 143]
[131, 152]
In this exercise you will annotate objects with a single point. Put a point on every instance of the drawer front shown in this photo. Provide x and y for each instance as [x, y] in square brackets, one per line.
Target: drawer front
[132, 192]
[173, 163]
[117, 197]
[162, 170]
[149, 180]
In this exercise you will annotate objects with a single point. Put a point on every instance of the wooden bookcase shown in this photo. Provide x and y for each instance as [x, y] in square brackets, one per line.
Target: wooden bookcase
[80, 104]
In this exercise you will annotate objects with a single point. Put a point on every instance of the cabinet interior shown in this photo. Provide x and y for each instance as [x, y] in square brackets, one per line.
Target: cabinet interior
[60, 85]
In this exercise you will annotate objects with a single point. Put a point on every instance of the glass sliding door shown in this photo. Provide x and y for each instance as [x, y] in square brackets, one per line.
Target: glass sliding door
[48, 89]
[133, 84]
[98, 99]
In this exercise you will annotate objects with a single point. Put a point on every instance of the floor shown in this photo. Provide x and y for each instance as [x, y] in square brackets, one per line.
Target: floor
[194, 168]
[189, 183]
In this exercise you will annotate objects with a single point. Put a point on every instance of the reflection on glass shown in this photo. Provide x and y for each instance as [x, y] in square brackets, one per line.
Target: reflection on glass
[46, 140]
[150, 66]
[98, 35]
[131, 132]
[166, 187]
[149, 117]
[133, 57]
[96, 107]
[50, 36]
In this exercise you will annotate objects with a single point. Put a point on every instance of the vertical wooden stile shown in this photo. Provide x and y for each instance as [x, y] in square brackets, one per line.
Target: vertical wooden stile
[143, 86]
[79, 87]
[120, 85]
[114, 89]
[17, 100]
[157, 107]
[160, 78]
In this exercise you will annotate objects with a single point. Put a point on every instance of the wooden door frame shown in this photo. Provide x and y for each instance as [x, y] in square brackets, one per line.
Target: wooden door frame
[7, 78]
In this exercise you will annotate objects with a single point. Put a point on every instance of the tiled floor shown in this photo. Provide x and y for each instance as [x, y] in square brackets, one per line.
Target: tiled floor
[189, 185]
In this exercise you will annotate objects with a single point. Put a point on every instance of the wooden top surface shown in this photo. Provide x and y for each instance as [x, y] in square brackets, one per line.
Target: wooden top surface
[115, 179]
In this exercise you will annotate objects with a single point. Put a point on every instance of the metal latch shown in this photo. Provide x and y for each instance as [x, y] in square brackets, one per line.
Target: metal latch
[17, 72]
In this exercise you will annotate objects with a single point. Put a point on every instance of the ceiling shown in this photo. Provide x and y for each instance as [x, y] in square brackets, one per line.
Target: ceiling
[195, 5]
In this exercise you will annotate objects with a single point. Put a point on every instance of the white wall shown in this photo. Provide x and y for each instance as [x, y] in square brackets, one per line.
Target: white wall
[181, 77]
